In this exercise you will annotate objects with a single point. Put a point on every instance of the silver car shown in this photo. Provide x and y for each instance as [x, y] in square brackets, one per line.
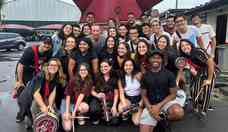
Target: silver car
[12, 41]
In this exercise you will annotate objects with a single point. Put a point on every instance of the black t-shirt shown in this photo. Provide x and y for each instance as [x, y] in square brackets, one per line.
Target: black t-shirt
[40, 85]
[106, 87]
[158, 84]
[80, 58]
[27, 60]
[108, 56]
[171, 55]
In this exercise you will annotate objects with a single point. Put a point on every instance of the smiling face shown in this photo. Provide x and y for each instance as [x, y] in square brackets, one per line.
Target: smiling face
[121, 50]
[142, 48]
[156, 27]
[128, 67]
[155, 61]
[181, 23]
[76, 31]
[112, 32]
[53, 67]
[105, 68]
[86, 30]
[122, 30]
[83, 46]
[133, 34]
[185, 47]
[162, 43]
[83, 71]
[110, 43]
[67, 30]
[70, 43]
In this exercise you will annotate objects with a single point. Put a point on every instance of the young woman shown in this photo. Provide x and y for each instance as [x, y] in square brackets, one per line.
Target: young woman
[44, 91]
[105, 90]
[64, 55]
[129, 89]
[83, 54]
[109, 50]
[170, 53]
[142, 50]
[59, 39]
[123, 52]
[202, 69]
[112, 31]
[77, 96]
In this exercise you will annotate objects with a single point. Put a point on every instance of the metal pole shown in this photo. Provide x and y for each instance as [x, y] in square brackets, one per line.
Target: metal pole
[176, 4]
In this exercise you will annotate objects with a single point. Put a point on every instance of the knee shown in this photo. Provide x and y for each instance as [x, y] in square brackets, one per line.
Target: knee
[176, 113]
[84, 108]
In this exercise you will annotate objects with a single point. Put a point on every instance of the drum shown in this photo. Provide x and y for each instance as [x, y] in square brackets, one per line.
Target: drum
[46, 122]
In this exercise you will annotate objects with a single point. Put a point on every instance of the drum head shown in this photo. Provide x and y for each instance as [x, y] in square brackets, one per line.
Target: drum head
[46, 123]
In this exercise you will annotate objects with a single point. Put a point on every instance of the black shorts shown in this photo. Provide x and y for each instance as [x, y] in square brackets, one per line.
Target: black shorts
[133, 99]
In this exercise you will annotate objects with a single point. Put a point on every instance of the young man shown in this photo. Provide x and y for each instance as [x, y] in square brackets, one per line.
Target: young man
[76, 30]
[184, 31]
[134, 38]
[157, 30]
[29, 65]
[170, 25]
[158, 93]
[90, 18]
[97, 38]
[207, 33]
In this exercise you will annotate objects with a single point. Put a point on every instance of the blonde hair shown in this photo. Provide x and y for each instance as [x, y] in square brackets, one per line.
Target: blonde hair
[59, 75]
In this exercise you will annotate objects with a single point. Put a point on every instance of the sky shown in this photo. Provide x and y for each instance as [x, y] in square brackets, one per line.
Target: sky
[168, 4]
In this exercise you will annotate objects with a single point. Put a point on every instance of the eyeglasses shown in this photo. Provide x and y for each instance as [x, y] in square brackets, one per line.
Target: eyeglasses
[53, 65]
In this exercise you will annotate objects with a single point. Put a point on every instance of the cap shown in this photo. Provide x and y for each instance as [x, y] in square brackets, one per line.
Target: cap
[156, 52]
[47, 40]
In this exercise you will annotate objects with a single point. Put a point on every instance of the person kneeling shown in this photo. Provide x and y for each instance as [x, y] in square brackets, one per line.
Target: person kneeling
[158, 92]
[77, 97]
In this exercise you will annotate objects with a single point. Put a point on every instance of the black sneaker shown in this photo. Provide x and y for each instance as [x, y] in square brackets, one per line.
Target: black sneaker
[96, 122]
[19, 117]
[211, 108]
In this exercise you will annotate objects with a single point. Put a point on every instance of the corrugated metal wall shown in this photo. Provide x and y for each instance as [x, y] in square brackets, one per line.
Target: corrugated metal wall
[40, 10]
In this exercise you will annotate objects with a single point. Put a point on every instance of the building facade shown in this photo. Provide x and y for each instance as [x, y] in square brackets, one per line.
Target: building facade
[39, 12]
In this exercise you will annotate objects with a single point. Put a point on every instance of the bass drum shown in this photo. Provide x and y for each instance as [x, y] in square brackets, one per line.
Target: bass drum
[46, 122]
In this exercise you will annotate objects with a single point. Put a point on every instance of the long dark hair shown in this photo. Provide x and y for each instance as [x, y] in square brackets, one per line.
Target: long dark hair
[106, 43]
[61, 34]
[82, 84]
[100, 82]
[138, 56]
[123, 73]
[128, 54]
[168, 46]
[189, 42]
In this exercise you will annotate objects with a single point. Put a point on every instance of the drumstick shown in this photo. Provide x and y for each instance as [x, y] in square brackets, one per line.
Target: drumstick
[201, 90]
[79, 117]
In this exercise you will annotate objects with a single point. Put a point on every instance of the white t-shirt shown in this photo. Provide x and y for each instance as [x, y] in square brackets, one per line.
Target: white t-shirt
[192, 34]
[132, 87]
[207, 33]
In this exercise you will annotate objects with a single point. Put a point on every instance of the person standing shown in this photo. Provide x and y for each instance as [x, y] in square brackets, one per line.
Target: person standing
[207, 33]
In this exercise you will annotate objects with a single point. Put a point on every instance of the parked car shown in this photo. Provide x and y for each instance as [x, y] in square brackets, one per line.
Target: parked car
[12, 41]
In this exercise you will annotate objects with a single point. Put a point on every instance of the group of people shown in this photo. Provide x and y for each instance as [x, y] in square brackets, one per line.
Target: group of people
[84, 72]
